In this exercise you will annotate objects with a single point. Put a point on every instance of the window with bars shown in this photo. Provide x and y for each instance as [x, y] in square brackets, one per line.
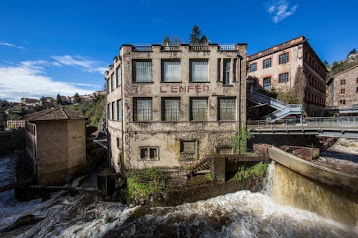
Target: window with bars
[199, 109]
[119, 77]
[187, 147]
[267, 83]
[253, 67]
[227, 109]
[267, 63]
[199, 71]
[171, 71]
[226, 73]
[113, 111]
[283, 78]
[142, 109]
[112, 82]
[282, 59]
[142, 71]
[119, 110]
[171, 109]
[149, 153]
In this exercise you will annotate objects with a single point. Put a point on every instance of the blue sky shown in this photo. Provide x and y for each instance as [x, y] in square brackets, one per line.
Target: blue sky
[62, 46]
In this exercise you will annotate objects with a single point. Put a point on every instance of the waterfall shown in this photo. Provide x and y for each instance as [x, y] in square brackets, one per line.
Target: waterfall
[290, 188]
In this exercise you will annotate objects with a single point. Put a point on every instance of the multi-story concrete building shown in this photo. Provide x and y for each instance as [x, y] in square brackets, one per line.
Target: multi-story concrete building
[292, 67]
[56, 143]
[343, 89]
[169, 106]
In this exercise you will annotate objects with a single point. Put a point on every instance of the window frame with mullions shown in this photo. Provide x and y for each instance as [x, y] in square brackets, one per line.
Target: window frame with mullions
[265, 63]
[149, 69]
[175, 114]
[135, 109]
[229, 110]
[284, 58]
[205, 110]
[147, 156]
[286, 81]
[203, 79]
[169, 71]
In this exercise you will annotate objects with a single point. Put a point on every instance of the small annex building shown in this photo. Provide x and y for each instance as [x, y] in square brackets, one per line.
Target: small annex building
[56, 143]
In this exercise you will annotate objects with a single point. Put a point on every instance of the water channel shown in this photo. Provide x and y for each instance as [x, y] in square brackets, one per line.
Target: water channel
[290, 205]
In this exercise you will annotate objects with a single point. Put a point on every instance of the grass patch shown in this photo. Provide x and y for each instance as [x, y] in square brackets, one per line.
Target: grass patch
[142, 183]
[256, 171]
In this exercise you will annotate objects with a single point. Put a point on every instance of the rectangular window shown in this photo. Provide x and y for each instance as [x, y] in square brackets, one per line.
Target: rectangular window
[171, 71]
[357, 90]
[187, 147]
[253, 67]
[171, 109]
[267, 83]
[149, 153]
[113, 111]
[219, 70]
[109, 111]
[267, 63]
[227, 109]
[226, 73]
[343, 91]
[342, 102]
[143, 109]
[107, 86]
[112, 82]
[119, 77]
[142, 71]
[224, 150]
[199, 71]
[343, 81]
[118, 144]
[283, 58]
[234, 70]
[283, 78]
[119, 110]
[198, 109]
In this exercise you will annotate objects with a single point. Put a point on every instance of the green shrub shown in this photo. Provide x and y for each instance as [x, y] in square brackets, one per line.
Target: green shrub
[142, 183]
[256, 171]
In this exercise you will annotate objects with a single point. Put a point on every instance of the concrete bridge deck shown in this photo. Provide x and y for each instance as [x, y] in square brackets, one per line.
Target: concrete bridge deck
[346, 127]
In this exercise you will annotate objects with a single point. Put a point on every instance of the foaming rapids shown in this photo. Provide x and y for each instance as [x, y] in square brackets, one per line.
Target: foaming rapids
[240, 214]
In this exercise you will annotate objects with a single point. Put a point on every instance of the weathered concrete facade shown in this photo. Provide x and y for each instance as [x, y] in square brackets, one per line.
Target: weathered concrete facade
[343, 89]
[292, 67]
[57, 148]
[155, 141]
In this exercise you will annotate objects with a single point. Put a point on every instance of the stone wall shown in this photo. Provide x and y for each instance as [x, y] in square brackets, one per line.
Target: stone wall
[350, 86]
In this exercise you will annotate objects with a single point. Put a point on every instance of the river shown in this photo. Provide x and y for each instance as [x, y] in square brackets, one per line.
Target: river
[289, 206]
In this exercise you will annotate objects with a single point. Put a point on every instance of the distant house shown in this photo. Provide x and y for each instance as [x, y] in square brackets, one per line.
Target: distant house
[65, 100]
[343, 89]
[15, 124]
[29, 101]
[56, 142]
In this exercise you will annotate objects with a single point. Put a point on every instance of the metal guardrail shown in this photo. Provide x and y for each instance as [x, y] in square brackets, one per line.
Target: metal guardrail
[224, 47]
[266, 99]
[309, 122]
[142, 47]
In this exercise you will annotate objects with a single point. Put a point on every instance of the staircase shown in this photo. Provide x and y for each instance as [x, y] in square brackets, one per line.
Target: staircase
[282, 108]
[201, 165]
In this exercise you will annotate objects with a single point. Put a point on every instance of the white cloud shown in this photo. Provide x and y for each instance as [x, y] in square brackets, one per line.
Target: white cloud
[86, 65]
[280, 9]
[28, 79]
[11, 45]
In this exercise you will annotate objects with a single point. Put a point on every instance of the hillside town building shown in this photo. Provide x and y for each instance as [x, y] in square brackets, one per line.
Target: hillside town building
[292, 67]
[15, 124]
[343, 89]
[170, 106]
[56, 143]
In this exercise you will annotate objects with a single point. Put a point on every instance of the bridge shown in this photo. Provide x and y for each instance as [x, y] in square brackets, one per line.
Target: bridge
[345, 127]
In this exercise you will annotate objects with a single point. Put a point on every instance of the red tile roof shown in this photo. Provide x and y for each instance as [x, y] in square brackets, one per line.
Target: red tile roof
[54, 114]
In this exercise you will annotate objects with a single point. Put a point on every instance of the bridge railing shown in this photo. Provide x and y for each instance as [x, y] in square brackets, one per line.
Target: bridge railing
[309, 122]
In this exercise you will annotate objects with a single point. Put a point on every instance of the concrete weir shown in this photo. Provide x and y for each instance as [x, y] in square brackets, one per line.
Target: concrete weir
[312, 170]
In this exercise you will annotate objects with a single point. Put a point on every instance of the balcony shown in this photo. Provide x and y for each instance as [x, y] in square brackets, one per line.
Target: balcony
[142, 47]
[226, 47]
[170, 47]
[199, 47]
